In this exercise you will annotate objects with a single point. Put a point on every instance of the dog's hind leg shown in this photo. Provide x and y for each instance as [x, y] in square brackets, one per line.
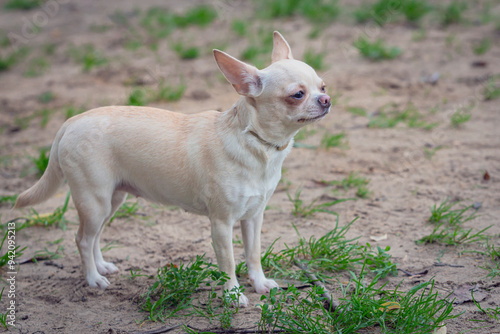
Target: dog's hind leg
[93, 208]
[104, 267]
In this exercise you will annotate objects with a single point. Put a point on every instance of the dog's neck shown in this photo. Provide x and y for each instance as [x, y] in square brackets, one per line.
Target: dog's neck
[246, 114]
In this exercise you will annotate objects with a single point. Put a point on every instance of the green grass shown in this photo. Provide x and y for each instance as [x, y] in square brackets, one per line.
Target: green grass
[448, 225]
[481, 47]
[358, 111]
[169, 93]
[431, 151]
[50, 219]
[453, 12]
[389, 118]
[315, 11]
[492, 89]
[364, 305]
[11, 251]
[41, 161]
[88, 56]
[186, 52]
[161, 22]
[175, 285]
[415, 10]
[353, 180]
[164, 92]
[22, 4]
[300, 209]
[376, 50]
[8, 199]
[305, 133]
[493, 266]
[138, 97]
[240, 27]
[126, 210]
[46, 97]
[37, 67]
[73, 111]
[3, 316]
[380, 12]
[460, 116]
[334, 140]
[10, 59]
[315, 59]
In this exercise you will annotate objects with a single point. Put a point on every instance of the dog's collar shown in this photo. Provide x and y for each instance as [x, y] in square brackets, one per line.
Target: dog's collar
[265, 142]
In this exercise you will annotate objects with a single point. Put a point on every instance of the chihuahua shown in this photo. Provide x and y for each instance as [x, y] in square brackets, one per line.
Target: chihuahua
[224, 165]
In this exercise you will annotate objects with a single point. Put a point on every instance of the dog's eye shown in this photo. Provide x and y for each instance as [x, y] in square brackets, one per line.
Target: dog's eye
[323, 89]
[298, 95]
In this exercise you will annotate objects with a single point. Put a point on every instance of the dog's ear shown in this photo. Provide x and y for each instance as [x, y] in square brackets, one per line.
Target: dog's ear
[244, 78]
[281, 49]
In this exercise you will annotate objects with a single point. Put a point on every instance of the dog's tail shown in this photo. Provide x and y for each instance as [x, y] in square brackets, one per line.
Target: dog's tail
[50, 181]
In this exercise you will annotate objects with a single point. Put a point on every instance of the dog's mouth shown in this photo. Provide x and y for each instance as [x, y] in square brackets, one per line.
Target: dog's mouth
[303, 120]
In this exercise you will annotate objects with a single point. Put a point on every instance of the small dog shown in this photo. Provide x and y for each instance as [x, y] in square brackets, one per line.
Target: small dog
[224, 165]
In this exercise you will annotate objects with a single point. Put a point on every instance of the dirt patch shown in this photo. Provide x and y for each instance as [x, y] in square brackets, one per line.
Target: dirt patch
[410, 169]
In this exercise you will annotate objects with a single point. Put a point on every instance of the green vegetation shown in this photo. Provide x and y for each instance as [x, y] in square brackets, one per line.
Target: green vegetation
[353, 180]
[240, 27]
[174, 287]
[8, 258]
[169, 93]
[493, 266]
[492, 89]
[22, 4]
[358, 111]
[126, 210]
[164, 92]
[186, 52]
[315, 60]
[392, 117]
[448, 225]
[46, 97]
[42, 161]
[50, 219]
[88, 56]
[10, 59]
[453, 12]
[138, 97]
[364, 305]
[460, 116]
[334, 140]
[161, 22]
[8, 199]
[316, 11]
[414, 10]
[376, 50]
[481, 47]
[37, 67]
[73, 111]
[302, 210]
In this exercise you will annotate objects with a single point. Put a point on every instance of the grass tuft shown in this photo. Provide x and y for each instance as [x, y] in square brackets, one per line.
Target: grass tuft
[175, 286]
[88, 57]
[376, 50]
[300, 209]
[50, 219]
[448, 225]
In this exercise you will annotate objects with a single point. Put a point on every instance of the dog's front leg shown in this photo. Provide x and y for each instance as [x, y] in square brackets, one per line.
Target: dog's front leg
[222, 237]
[251, 229]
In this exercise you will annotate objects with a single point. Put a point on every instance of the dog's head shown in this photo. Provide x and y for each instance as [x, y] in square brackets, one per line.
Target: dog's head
[286, 95]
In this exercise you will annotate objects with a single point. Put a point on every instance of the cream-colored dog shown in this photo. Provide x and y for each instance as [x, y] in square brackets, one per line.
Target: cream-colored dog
[224, 165]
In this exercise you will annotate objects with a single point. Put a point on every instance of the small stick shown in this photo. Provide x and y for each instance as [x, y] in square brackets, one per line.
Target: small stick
[331, 304]
[422, 273]
[159, 330]
[440, 264]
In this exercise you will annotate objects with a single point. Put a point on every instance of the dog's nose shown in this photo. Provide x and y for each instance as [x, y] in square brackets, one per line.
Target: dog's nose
[325, 101]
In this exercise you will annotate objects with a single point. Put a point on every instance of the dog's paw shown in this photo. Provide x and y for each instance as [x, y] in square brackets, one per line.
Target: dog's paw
[264, 285]
[98, 281]
[105, 268]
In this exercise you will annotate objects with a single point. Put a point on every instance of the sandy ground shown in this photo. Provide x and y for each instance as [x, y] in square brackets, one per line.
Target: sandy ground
[404, 183]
